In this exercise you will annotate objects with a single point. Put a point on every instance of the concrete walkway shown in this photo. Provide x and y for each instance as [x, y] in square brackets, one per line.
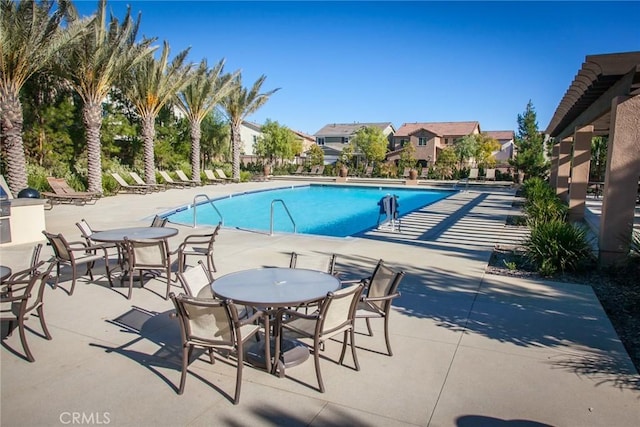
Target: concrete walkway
[470, 349]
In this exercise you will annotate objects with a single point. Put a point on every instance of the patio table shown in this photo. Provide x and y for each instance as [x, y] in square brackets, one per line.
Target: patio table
[275, 288]
[4, 272]
[117, 235]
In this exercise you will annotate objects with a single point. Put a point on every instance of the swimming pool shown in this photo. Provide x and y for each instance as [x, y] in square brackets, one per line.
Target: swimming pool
[328, 210]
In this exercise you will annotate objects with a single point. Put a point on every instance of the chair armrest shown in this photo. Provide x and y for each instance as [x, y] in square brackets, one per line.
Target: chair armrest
[250, 320]
[352, 281]
[382, 298]
[294, 313]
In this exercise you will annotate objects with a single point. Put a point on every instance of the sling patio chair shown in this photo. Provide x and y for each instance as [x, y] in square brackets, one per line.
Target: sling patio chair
[86, 231]
[222, 175]
[23, 296]
[212, 178]
[406, 172]
[159, 221]
[336, 315]
[147, 255]
[381, 288]
[299, 170]
[473, 174]
[139, 181]
[183, 178]
[368, 171]
[424, 173]
[198, 245]
[74, 254]
[125, 187]
[319, 170]
[169, 181]
[213, 324]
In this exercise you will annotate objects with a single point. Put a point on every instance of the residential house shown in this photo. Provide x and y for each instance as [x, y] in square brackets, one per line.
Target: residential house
[249, 134]
[334, 137]
[307, 141]
[505, 138]
[429, 138]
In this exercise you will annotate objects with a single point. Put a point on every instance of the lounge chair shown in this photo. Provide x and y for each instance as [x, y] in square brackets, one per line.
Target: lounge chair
[183, 177]
[212, 178]
[406, 172]
[140, 181]
[299, 170]
[128, 188]
[169, 181]
[62, 193]
[490, 175]
[319, 170]
[367, 172]
[424, 173]
[222, 175]
[473, 174]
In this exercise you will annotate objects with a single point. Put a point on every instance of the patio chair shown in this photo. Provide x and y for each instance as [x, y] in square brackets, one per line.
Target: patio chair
[183, 178]
[213, 324]
[75, 254]
[86, 231]
[310, 262]
[139, 181]
[125, 187]
[212, 178]
[196, 278]
[368, 171]
[380, 291]
[22, 297]
[147, 255]
[159, 221]
[199, 278]
[490, 175]
[319, 170]
[336, 315]
[198, 245]
[299, 170]
[424, 173]
[223, 176]
[406, 172]
[169, 181]
[34, 265]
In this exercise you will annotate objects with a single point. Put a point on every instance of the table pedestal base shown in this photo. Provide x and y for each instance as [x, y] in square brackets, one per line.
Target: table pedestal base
[293, 353]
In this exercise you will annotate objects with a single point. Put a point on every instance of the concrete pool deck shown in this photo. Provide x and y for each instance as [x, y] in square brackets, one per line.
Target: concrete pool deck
[470, 349]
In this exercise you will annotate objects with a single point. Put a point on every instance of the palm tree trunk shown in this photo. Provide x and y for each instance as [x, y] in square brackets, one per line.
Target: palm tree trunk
[12, 145]
[92, 118]
[235, 143]
[148, 134]
[196, 134]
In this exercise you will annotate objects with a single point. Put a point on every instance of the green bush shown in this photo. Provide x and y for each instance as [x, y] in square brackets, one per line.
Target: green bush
[556, 246]
[545, 210]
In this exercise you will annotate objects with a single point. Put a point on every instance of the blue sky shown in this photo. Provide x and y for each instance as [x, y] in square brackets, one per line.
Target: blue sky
[343, 62]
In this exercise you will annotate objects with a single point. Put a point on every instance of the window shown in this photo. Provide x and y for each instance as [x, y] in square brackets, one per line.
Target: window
[422, 141]
[320, 141]
[345, 140]
[255, 138]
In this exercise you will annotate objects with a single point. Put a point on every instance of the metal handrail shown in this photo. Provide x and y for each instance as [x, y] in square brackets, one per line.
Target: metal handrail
[286, 210]
[195, 223]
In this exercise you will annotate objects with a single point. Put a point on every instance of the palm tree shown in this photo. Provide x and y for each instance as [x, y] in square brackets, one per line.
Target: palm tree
[30, 35]
[96, 60]
[152, 84]
[237, 105]
[197, 100]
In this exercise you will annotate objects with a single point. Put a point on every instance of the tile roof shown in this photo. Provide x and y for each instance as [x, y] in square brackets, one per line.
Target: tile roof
[348, 129]
[438, 128]
[252, 125]
[500, 134]
[304, 135]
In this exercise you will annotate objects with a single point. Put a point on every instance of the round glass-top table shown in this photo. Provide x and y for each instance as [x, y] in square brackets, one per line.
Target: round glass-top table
[134, 233]
[275, 288]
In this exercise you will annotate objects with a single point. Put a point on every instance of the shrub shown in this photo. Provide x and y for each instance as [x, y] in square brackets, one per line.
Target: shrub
[545, 210]
[557, 246]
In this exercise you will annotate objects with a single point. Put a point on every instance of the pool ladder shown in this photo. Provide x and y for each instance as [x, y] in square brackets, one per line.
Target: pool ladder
[195, 222]
[286, 210]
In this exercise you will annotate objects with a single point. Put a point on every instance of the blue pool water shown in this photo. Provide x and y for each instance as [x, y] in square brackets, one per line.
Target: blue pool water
[327, 210]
